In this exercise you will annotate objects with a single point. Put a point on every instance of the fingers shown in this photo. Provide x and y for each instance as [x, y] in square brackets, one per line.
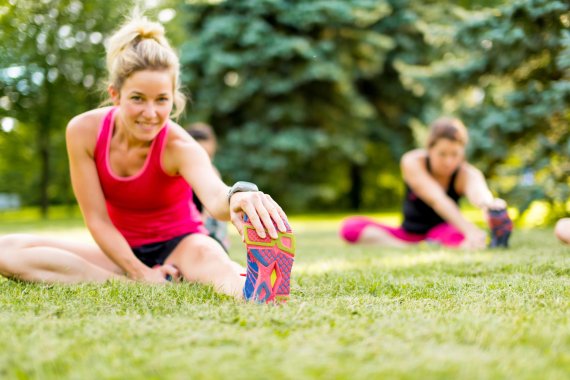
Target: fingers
[275, 212]
[167, 272]
[155, 277]
[170, 270]
[259, 216]
[262, 212]
[498, 204]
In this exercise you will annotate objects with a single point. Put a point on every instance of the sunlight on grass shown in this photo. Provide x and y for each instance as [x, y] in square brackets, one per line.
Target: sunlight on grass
[398, 260]
[450, 257]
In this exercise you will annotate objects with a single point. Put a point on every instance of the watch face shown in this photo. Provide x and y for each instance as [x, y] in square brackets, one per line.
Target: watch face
[242, 186]
[245, 186]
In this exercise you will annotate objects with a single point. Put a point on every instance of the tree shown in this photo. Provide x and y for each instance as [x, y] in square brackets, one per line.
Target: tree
[51, 61]
[505, 71]
[304, 94]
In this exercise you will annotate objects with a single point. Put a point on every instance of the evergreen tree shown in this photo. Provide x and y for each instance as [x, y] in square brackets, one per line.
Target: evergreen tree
[505, 71]
[304, 95]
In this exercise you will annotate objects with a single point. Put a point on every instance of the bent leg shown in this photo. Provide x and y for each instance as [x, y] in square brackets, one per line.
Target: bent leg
[446, 235]
[39, 259]
[364, 230]
[202, 259]
[562, 230]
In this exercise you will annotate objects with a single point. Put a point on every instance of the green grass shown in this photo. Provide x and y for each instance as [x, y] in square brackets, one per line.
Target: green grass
[355, 313]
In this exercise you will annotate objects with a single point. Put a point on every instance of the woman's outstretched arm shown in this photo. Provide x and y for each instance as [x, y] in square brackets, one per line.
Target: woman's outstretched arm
[186, 157]
[477, 191]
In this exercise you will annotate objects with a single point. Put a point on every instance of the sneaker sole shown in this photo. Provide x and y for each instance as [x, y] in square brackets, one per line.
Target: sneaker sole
[501, 227]
[269, 264]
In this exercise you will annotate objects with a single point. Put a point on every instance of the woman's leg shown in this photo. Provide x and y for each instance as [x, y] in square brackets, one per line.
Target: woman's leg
[202, 259]
[562, 230]
[43, 259]
[446, 235]
[364, 230]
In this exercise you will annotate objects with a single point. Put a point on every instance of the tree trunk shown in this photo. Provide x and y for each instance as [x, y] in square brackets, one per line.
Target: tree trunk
[44, 172]
[44, 139]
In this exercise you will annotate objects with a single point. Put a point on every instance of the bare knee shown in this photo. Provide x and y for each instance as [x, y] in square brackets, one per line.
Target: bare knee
[9, 245]
[562, 230]
[205, 252]
[17, 241]
[200, 254]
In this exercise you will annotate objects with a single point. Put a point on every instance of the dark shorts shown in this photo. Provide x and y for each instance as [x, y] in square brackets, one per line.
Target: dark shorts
[156, 253]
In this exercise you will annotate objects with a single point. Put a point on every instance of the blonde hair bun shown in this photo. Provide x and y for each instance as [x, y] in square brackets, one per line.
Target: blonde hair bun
[141, 44]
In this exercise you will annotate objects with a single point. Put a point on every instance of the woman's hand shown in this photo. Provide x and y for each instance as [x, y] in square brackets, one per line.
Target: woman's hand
[169, 272]
[496, 204]
[475, 238]
[159, 274]
[261, 210]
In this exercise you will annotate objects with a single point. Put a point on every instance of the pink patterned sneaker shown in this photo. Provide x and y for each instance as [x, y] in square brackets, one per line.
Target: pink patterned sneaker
[269, 263]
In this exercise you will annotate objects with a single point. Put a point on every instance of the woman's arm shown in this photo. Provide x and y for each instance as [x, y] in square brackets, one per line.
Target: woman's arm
[477, 191]
[428, 190]
[185, 156]
[80, 137]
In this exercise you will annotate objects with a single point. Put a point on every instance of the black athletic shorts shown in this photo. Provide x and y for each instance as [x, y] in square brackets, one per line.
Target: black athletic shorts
[156, 253]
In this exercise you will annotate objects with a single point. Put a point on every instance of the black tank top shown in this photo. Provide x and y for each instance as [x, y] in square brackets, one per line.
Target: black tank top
[419, 218]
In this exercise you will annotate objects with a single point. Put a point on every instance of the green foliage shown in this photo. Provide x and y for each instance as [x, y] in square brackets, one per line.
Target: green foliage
[51, 62]
[314, 100]
[302, 92]
[506, 73]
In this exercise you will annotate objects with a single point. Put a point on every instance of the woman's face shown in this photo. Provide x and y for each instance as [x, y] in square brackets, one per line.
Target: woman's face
[445, 156]
[145, 102]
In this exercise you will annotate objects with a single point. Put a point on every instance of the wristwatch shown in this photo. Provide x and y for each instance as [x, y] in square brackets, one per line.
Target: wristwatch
[241, 186]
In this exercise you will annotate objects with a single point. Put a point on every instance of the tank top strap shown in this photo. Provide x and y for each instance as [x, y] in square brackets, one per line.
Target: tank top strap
[104, 137]
[453, 178]
[451, 189]
[158, 148]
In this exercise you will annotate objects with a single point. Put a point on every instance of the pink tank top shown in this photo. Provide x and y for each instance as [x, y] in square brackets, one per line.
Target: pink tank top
[150, 206]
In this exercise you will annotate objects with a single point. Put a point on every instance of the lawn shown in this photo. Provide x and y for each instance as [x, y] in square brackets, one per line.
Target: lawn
[355, 313]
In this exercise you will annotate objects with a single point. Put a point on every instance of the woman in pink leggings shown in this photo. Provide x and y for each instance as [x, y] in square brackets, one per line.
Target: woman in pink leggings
[436, 178]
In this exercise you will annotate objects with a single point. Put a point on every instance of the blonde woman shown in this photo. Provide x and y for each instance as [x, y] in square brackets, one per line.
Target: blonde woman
[133, 171]
[436, 178]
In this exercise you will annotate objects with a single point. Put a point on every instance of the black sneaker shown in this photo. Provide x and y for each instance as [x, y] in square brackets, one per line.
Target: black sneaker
[501, 228]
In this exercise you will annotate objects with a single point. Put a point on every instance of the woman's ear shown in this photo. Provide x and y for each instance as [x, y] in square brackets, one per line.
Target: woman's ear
[114, 94]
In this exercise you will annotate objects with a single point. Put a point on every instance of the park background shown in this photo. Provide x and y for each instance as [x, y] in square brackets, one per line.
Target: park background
[315, 101]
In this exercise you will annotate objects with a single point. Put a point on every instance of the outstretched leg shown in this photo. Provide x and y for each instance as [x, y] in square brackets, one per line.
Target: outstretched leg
[364, 230]
[446, 234]
[41, 259]
[202, 259]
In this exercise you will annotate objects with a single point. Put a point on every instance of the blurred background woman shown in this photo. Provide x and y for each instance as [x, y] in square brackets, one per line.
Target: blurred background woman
[436, 178]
